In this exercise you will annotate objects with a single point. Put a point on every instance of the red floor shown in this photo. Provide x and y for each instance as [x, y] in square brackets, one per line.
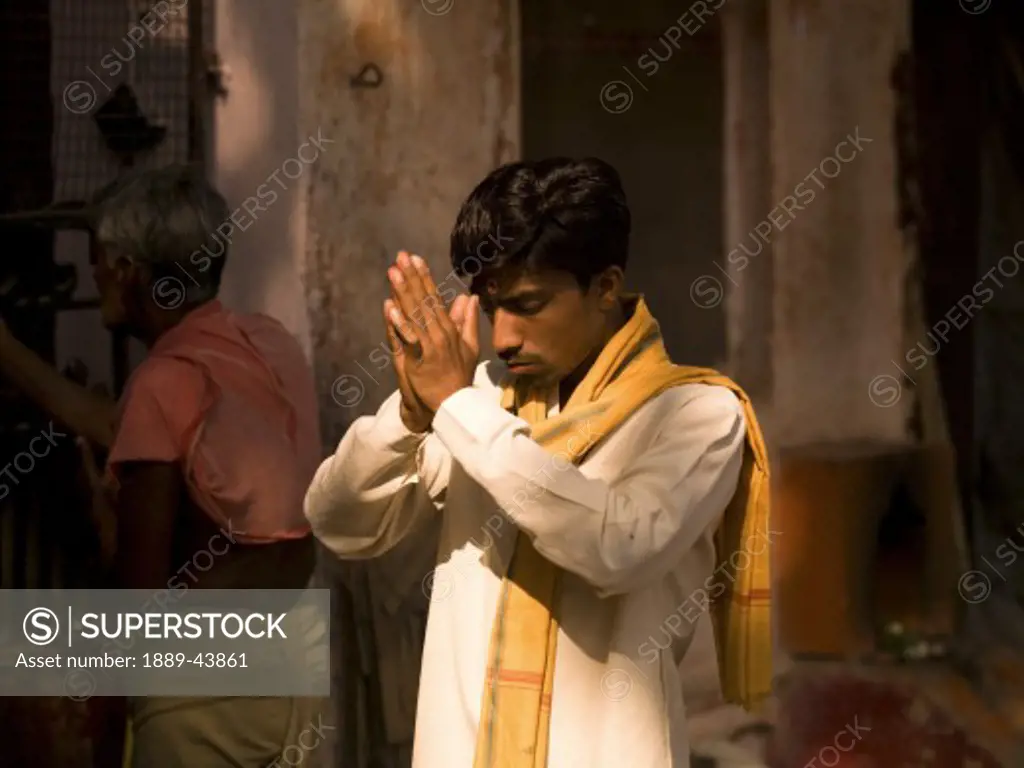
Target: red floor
[840, 721]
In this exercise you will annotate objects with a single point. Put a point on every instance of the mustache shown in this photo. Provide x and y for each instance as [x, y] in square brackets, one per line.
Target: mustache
[512, 361]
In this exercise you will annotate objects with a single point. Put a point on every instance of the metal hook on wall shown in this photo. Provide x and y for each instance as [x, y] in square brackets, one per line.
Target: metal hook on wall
[369, 76]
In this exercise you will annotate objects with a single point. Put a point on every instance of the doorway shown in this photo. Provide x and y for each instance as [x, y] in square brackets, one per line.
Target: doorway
[969, 104]
[640, 85]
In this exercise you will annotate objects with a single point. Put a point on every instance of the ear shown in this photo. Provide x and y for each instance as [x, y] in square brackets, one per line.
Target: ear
[123, 271]
[609, 286]
[134, 274]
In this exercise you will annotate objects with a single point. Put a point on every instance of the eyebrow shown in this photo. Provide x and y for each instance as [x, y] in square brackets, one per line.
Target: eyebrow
[525, 294]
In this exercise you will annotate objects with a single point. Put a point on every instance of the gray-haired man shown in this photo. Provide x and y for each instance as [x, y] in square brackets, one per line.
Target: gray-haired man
[211, 447]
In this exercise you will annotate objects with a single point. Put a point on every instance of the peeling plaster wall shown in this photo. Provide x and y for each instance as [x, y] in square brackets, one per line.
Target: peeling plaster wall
[839, 265]
[747, 197]
[405, 156]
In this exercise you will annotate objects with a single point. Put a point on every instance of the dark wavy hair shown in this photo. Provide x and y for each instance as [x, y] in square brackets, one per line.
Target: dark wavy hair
[554, 214]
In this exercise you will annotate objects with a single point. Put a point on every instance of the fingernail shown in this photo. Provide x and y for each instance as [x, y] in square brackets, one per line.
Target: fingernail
[403, 258]
[396, 276]
[396, 317]
[419, 263]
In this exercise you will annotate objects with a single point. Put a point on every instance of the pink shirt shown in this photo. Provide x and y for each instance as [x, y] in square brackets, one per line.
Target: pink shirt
[231, 398]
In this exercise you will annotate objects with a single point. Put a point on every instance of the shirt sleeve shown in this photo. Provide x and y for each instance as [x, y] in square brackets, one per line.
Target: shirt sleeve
[379, 484]
[619, 535]
[160, 405]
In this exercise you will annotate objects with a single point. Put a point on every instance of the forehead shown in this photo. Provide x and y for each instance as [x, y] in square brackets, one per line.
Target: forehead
[503, 287]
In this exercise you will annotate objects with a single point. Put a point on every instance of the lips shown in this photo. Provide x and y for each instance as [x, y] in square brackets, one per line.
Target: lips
[520, 367]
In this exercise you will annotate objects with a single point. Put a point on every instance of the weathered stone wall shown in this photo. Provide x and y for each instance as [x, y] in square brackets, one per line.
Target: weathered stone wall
[747, 195]
[839, 261]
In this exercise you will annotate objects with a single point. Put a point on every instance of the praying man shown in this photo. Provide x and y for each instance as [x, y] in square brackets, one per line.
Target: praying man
[588, 486]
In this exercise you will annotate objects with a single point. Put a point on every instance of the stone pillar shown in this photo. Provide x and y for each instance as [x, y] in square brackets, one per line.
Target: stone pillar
[747, 199]
[839, 259]
[405, 156]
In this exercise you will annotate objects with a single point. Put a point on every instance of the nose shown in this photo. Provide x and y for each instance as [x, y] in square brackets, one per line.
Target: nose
[506, 335]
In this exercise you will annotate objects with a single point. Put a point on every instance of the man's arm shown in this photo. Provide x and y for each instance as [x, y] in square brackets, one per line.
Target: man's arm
[148, 500]
[614, 536]
[165, 398]
[86, 413]
[381, 481]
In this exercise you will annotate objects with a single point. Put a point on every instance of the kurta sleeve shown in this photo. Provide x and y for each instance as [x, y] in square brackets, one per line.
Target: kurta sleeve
[378, 486]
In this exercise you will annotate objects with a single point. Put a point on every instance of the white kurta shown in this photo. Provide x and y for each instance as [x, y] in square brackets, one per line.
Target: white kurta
[632, 527]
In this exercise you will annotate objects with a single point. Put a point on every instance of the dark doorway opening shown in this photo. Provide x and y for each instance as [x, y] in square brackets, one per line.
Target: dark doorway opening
[964, 162]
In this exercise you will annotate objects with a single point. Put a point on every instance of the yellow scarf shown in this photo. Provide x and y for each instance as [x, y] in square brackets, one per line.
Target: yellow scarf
[633, 368]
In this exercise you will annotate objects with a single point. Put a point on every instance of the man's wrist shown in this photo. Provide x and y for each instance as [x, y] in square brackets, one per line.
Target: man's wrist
[469, 419]
[446, 397]
[411, 423]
